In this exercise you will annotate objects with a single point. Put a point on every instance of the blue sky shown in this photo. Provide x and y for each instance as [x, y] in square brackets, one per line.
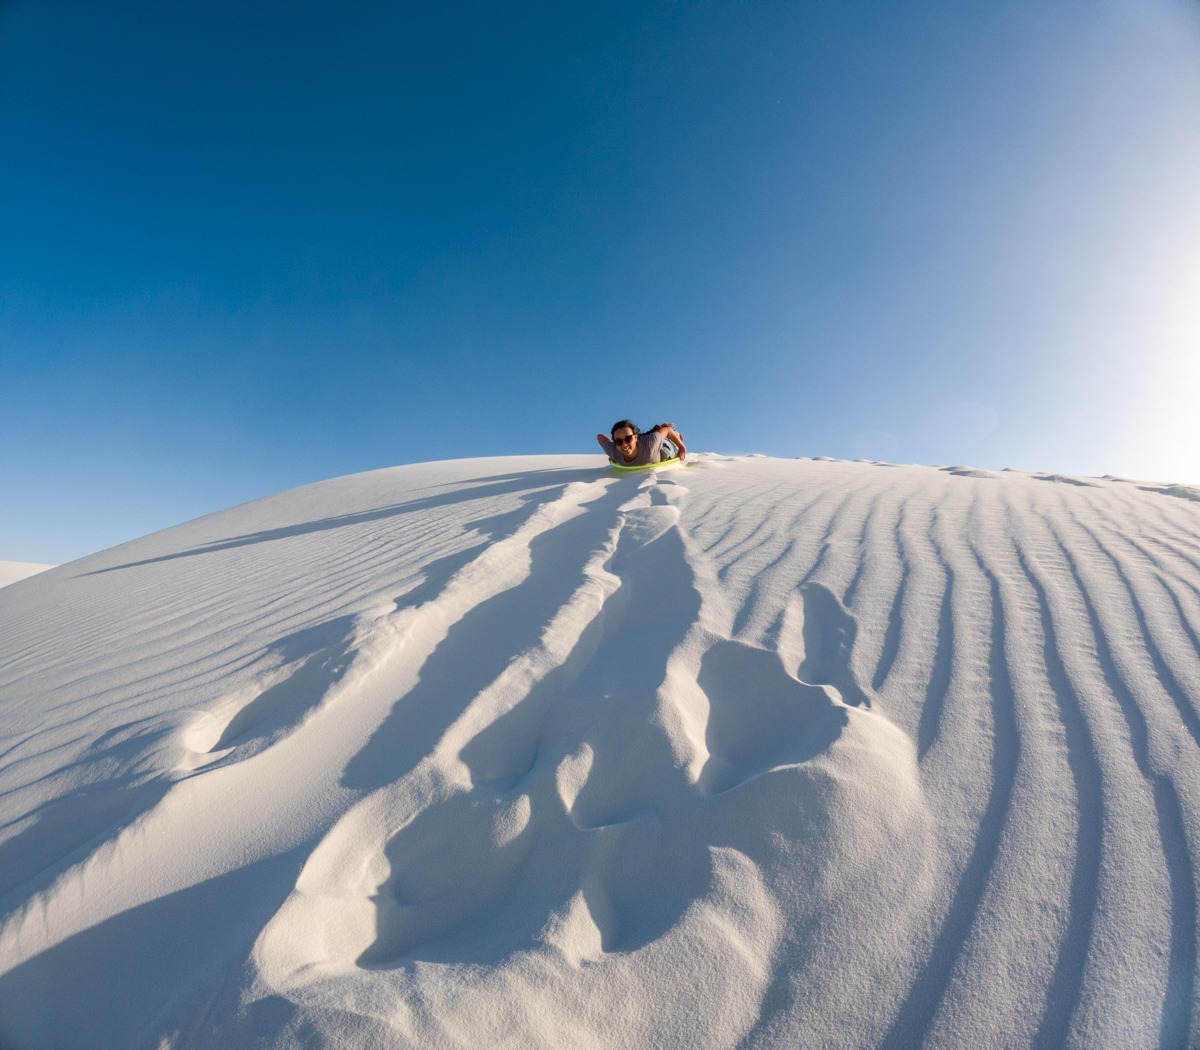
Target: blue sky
[249, 246]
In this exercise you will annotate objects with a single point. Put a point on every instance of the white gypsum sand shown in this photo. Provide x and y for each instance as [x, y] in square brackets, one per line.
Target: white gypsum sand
[12, 571]
[518, 752]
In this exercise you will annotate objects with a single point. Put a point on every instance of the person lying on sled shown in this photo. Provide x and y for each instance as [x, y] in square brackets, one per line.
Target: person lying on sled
[630, 447]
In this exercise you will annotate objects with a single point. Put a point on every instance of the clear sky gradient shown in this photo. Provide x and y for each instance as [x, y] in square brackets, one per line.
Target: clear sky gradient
[245, 246]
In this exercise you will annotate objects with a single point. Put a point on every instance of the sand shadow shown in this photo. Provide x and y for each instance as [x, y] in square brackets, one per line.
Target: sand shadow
[488, 488]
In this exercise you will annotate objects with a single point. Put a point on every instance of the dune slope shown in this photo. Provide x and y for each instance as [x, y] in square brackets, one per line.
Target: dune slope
[11, 571]
[517, 752]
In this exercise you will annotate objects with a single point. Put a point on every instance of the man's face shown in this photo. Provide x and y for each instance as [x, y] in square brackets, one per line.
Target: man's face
[626, 441]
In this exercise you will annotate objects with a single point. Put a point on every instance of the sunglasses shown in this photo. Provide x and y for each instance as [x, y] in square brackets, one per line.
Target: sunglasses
[625, 440]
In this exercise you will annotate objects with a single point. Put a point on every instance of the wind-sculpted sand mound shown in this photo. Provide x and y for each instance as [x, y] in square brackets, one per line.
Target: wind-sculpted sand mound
[522, 753]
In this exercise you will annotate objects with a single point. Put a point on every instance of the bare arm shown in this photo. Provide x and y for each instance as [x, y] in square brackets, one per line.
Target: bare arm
[603, 439]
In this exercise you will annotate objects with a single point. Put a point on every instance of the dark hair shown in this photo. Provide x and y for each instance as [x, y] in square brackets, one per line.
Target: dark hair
[623, 423]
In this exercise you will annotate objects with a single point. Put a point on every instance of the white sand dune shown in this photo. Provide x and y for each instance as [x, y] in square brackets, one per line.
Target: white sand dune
[12, 571]
[519, 753]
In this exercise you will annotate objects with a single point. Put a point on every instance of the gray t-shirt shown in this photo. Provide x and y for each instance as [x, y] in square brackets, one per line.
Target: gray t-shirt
[649, 450]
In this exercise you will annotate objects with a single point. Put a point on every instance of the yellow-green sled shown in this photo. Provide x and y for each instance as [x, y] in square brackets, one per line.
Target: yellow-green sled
[665, 464]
